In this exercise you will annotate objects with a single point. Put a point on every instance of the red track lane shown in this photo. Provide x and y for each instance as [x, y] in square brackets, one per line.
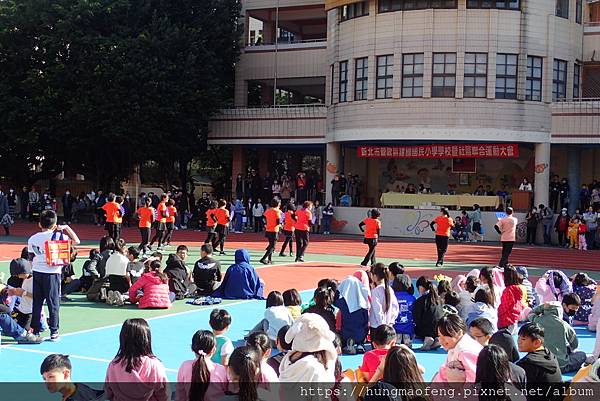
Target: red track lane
[488, 253]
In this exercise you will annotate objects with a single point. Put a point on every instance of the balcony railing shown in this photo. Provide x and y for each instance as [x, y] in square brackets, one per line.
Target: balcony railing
[576, 120]
[284, 45]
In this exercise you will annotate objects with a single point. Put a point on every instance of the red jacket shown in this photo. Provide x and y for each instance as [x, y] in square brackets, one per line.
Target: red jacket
[511, 306]
[156, 293]
[582, 228]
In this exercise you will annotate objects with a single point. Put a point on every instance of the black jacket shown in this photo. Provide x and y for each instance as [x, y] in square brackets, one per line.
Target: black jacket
[178, 276]
[426, 316]
[543, 371]
[207, 271]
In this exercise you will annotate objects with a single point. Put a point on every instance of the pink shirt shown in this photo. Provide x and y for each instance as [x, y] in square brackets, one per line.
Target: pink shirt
[148, 382]
[268, 374]
[218, 380]
[466, 352]
[508, 228]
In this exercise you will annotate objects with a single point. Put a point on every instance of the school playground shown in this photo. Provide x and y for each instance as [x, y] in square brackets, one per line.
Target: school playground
[90, 331]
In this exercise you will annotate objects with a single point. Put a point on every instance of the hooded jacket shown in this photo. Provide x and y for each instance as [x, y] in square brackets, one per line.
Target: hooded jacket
[147, 383]
[511, 306]
[481, 309]
[546, 289]
[241, 280]
[558, 334]
[156, 293]
[178, 274]
[541, 367]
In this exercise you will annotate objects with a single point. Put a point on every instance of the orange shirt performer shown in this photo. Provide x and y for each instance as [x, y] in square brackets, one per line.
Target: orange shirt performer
[113, 217]
[288, 229]
[272, 218]
[172, 214]
[211, 224]
[442, 226]
[303, 222]
[160, 224]
[222, 215]
[146, 216]
[371, 226]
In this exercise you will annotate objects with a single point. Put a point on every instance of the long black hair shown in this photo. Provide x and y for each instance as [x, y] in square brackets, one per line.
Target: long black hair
[432, 296]
[135, 342]
[493, 371]
[203, 344]
[245, 363]
[488, 274]
[382, 273]
[261, 342]
[401, 368]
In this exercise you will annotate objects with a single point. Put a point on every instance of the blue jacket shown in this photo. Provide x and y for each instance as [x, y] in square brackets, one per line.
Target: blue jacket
[241, 280]
[404, 322]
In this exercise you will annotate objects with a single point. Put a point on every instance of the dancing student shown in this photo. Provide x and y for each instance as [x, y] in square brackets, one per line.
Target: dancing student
[303, 218]
[111, 211]
[222, 215]
[160, 225]
[288, 229]
[272, 225]
[172, 211]
[211, 224]
[442, 226]
[146, 218]
[371, 226]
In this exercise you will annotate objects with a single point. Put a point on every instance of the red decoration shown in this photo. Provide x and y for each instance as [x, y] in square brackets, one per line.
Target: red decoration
[444, 151]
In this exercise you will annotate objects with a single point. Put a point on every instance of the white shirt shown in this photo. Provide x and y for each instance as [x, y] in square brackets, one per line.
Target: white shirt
[377, 314]
[37, 245]
[277, 317]
[26, 303]
[117, 265]
[525, 187]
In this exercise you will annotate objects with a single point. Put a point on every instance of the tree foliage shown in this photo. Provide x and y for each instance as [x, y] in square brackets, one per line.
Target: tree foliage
[98, 86]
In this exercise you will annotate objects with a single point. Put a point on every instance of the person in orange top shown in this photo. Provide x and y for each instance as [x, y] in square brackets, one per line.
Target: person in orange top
[211, 223]
[160, 225]
[303, 222]
[118, 218]
[272, 218]
[442, 226]
[146, 216]
[111, 211]
[222, 215]
[288, 229]
[371, 226]
[172, 210]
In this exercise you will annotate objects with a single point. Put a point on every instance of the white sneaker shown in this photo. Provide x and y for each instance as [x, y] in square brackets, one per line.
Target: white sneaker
[118, 299]
[110, 298]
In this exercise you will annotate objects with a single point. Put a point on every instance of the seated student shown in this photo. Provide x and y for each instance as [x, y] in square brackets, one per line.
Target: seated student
[405, 324]
[451, 300]
[442, 288]
[21, 277]
[207, 272]
[323, 299]
[595, 313]
[179, 276]
[540, 365]
[482, 307]
[560, 338]
[262, 343]
[427, 310]
[244, 376]
[532, 297]
[135, 370]
[481, 329]
[495, 373]
[466, 298]
[511, 301]
[395, 269]
[152, 289]
[219, 321]
[69, 284]
[383, 338]
[18, 267]
[293, 301]
[276, 316]
[585, 288]
[241, 280]
[116, 269]
[135, 268]
[56, 370]
[352, 300]
[570, 305]
[552, 286]
[8, 326]
[89, 275]
[283, 347]
[200, 378]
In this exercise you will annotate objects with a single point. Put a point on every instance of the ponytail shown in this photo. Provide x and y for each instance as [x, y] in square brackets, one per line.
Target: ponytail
[488, 274]
[323, 297]
[155, 268]
[203, 344]
[382, 273]
[245, 363]
[260, 341]
[432, 296]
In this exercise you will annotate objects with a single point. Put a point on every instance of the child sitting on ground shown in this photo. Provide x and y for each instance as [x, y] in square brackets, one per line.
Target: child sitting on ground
[21, 277]
[383, 338]
[89, 274]
[405, 324]
[135, 268]
[595, 312]
[323, 299]
[451, 302]
[220, 320]
[585, 287]
[527, 286]
[352, 300]
[56, 370]
[69, 284]
[262, 343]
[293, 301]
[276, 316]
[483, 307]
[427, 310]
[552, 286]
[151, 290]
[283, 347]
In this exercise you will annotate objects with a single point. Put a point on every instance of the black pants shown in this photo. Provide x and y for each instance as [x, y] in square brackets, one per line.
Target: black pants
[159, 235]
[222, 233]
[272, 237]
[370, 256]
[562, 238]
[554, 201]
[46, 287]
[507, 247]
[258, 224]
[288, 240]
[145, 233]
[169, 234]
[302, 239]
[441, 243]
[118, 283]
[67, 212]
[114, 230]
[531, 231]
[211, 236]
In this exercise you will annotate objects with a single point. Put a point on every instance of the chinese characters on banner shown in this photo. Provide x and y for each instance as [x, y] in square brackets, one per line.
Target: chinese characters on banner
[445, 151]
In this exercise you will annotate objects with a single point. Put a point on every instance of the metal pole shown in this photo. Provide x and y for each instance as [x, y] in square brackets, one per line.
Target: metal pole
[276, 51]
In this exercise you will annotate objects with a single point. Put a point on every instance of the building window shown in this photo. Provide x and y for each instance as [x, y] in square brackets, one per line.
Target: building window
[407, 5]
[332, 70]
[354, 10]
[578, 11]
[475, 75]
[385, 76]
[361, 78]
[533, 85]
[444, 75]
[562, 8]
[500, 4]
[577, 81]
[506, 76]
[559, 80]
[412, 75]
[343, 89]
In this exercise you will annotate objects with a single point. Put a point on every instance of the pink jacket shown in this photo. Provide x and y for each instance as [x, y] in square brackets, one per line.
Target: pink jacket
[466, 351]
[508, 228]
[218, 380]
[148, 383]
[156, 293]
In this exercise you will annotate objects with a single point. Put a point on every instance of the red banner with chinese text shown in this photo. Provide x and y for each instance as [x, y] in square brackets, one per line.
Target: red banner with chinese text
[473, 151]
